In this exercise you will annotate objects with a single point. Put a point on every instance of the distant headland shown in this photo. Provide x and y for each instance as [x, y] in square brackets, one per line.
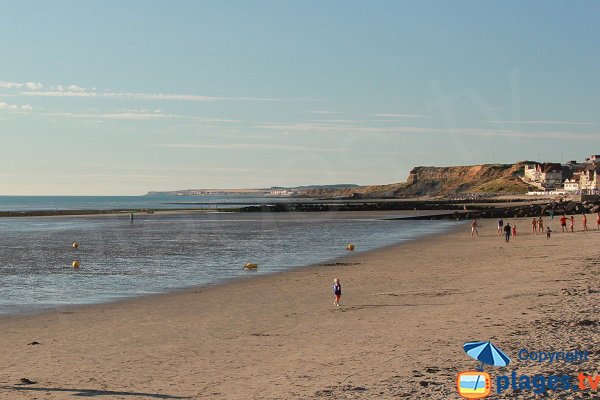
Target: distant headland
[524, 177]
[272, 191]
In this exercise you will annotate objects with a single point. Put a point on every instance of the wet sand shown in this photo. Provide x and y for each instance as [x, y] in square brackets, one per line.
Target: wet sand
[406, 311]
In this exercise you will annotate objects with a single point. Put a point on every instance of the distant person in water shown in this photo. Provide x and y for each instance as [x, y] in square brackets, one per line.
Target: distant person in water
[507, 232]
[337, 291]
[572, 223]
[131, 218]
[584, 222]
[500, 225]
[514, 231]
[548, 232]
[474, 228]
[563, 223]
[534, 226]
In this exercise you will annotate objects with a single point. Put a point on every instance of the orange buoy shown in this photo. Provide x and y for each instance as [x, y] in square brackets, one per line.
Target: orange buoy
[250, 266]
[76, 264]
[75, 245]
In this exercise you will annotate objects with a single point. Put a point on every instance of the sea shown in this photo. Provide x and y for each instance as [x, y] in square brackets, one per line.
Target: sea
[45, 203]
[164, 252]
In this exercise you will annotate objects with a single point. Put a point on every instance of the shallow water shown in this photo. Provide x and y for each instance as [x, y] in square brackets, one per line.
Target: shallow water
[38, 203]
[159, 253]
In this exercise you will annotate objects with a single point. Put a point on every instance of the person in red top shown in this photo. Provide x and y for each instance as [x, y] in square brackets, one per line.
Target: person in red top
[598, 222]
[563, 223]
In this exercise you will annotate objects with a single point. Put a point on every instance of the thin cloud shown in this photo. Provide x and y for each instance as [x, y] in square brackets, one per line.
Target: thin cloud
[60, 93]
[15, 107]
[180, 97]
[339, 121]
[400, 115]
[18, 85]
[543, 122]
[247, 146]
[349, 129]
[189, 169]
[137, 116]
[72, 90]
[66, 92]
[133, 115]
[326, 112]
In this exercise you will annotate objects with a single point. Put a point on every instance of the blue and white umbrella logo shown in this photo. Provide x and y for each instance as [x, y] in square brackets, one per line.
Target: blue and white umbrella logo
[486, 353]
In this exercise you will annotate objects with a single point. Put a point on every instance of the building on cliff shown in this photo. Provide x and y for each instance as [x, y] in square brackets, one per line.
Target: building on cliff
[589, 182]
[545, 176]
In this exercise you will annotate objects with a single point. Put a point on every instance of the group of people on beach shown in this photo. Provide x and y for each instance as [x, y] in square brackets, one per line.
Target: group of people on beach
[537, 226]
[563, 223]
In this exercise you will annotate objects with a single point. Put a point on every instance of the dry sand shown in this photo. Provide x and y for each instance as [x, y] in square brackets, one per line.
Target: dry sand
[406, 311]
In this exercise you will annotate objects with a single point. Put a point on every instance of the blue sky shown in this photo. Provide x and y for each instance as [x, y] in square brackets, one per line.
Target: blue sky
[123, 97]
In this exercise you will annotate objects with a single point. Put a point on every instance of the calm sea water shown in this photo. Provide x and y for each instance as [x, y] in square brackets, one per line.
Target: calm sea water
[159, 253]
[28, 203]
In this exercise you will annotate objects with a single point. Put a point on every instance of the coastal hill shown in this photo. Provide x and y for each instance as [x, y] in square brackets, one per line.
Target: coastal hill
[422, 181]
[440, 181]
[273, 190]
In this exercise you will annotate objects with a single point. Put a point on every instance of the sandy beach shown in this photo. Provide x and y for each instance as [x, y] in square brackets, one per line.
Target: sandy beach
[406, 312]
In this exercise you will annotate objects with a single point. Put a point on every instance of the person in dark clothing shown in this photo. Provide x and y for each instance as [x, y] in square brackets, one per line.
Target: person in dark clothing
[337, 291]
[507, 232]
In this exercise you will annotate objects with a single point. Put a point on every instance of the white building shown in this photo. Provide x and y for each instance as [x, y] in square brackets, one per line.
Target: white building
[548, 175]
[532, 173]
[590, 178]
[572, 185]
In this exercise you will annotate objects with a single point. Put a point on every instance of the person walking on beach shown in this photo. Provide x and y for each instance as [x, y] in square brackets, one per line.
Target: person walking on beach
[572, 223]
[337, 291]
[534, 226]
[584, 222]
[474, 228]
[507, 232]
[514, 231]
[563, 223]
[500, 225]
[541, 225]
[548, 232]
[598, 222]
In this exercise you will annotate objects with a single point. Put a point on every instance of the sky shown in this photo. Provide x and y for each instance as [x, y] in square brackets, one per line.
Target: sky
[126, 97]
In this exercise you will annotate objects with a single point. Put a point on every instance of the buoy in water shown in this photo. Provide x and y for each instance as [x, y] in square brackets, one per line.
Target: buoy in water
[250, 266]
[75, 245]
[350, 247]
[76, 264]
